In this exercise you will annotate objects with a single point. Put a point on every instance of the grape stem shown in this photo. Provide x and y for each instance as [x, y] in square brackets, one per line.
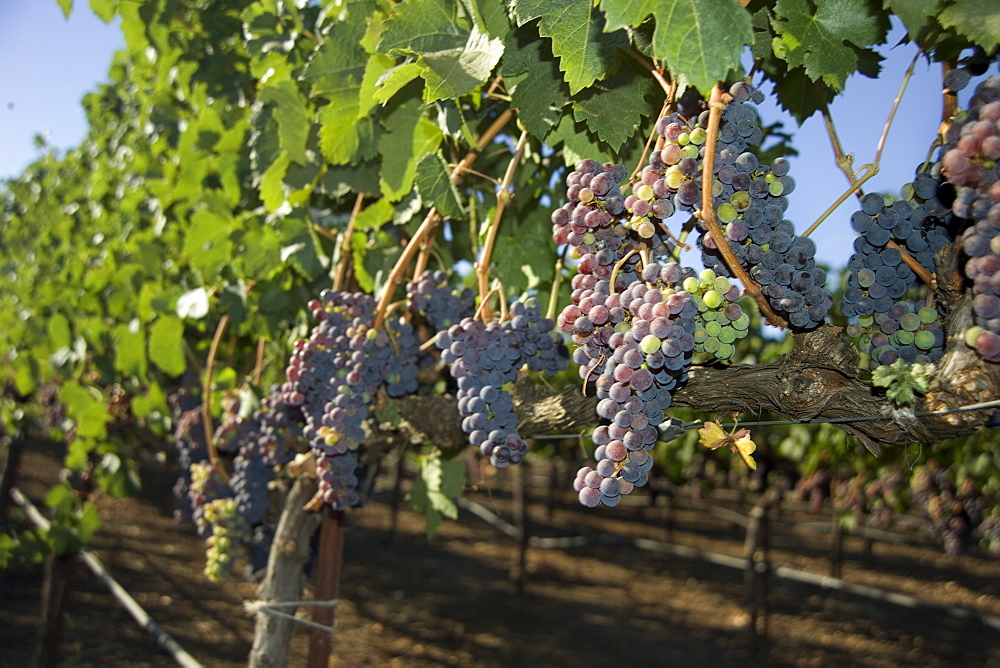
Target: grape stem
[554, 294]
[503, 196]
[206, 399]
[895, 107]
[618, 265]
[845, 166]
[429, 224]
[645, 151]
[717, 102]
[345, 245]
[670, 88]
[870, 171]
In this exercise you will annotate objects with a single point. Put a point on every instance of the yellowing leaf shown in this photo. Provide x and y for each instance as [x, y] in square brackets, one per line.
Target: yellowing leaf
[713, 437]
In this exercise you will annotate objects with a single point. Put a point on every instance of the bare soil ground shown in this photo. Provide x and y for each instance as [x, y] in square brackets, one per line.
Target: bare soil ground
[410, 601]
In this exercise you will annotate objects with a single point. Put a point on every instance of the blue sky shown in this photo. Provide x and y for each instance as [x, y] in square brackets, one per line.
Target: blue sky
[48, 63]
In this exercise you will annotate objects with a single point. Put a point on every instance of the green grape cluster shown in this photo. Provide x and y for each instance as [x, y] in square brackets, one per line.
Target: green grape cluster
[900, 333]
[720, 320]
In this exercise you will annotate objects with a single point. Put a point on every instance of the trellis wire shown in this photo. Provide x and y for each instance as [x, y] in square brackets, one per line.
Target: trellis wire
[687, 426]
[137, 612]
[268, 608]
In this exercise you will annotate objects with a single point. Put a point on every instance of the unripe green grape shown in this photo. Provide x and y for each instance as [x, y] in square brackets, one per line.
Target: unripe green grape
[722, 284]
[684, 138]
[928, 314]
[866, 320]
[698, 136]
[645, 229]
[713, 328]
[775, 188]
[700, 334]
[690, 151]
[691, 284]
[649, 344]
[589, 238]
[706, 277]
[904, 337]
[924, 340]
[910, 322]
[711, 345]
[726, 213]
[673, 178]
[713, 299]
[725, 351]
[709, 315]
[971, 334]
[727, 335]
[742, 323]
[741, 200]
[644, 192]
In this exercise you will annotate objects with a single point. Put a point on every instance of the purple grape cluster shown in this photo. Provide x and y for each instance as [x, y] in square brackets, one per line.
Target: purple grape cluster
[971, 161]
[914, 336]
[189, 439]
[333, 377]
[431, 296]
[955, 512]
[750, 201]
[595, 224]
[482, 358]
[638, 345]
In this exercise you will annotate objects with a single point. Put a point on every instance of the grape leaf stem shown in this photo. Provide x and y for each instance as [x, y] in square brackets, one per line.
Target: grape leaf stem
[503, 196]
[429, 224]
[895, 107]
[206, 398]
[856, 183]
[716, 104]
[345, 245]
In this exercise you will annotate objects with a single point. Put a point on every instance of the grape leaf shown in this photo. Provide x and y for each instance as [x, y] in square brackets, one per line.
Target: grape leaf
[455, 72]
[802, 96]
[166, 345]
[977, 20]
[85, 406]
[66, 6]
[614, 107]
[913, 13]
[423, 26]
[577, 29]
[700, 40]
[207, 243]
[338, 131]
[577, 142]
[814, 37]
[292, 116]
[338, 62]
[538, 91]
[130, 349]
[434, 183]
[394, 79]
[408, 136]
[438, 484]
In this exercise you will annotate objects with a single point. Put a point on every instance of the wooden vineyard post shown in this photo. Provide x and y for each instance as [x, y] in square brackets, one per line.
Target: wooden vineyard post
[60, 570]
[283, 582]
[756, 575]
[836, 547]
[517, 569]
[12, 448]
[331, 562]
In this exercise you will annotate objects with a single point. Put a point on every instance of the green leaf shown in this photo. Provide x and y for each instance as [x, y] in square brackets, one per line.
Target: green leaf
[87, 408]
[300, 247]
[90, 522]
[903, 381]
[66, 6]
[338, 132]
[105, 9]
[438, 484]
[166, 345]
[700, 40]
[614, 107]
[455, 72]
[577, 142]
[408, 137]
[393, 80]
[433, 179]
[802, 96]
[207, 243]
[337, 65]
[517, 263]
[813, 37]
[130, 349]
[292, 116]
[59, 332]
[375, 69]
[538, 91]
[374, 216]
[423, 26]
[577, 29]
[915, 14]
[976, 19]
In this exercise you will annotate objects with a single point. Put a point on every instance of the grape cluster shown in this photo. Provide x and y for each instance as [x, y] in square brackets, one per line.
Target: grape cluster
[750, 200]
[638, 343]
[900, 333]
[189, 439]
[720, 320]
[482, 358]
[229, 535]
[955, 512]
[970, 162]
[431, 296]
[594, 222]
[333, 377]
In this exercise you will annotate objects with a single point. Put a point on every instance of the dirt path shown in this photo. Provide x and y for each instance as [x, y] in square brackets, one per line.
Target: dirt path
[448, 601]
